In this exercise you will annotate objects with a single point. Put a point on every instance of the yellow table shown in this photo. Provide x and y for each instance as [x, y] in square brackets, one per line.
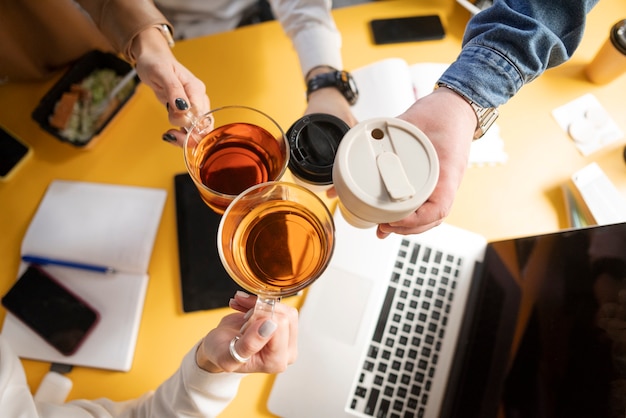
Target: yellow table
[256, 66]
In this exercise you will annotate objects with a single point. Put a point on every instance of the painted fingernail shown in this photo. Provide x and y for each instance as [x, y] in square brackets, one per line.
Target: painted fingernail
[267, 328]
[242, 294]
[248, 314]
[167, 137]
[181, 104]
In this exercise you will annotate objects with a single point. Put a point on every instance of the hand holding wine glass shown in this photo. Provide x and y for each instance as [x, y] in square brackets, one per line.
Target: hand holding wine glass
[275, 239]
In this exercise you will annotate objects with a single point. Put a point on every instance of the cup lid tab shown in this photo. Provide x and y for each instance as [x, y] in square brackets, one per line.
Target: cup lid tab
[394, 176]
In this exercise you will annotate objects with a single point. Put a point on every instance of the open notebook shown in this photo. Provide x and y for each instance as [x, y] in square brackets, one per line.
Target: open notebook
[98, 224]
[388, 87]
[444, 324]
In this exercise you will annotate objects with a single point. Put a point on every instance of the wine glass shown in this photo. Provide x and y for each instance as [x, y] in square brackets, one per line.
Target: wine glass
[232, 148]
[275, 239]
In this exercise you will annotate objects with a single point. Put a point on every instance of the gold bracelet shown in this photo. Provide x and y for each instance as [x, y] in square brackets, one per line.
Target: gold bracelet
[163, 29]
[167, 33]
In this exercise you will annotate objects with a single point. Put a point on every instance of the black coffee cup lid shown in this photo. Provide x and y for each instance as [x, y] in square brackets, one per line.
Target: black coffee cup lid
[313, 142]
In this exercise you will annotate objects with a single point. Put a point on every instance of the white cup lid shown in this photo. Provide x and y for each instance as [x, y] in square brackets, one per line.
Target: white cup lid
[384, 170]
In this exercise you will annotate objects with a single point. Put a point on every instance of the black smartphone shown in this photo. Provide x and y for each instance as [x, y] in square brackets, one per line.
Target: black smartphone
[407, 29]
[13, 152]
[55, 313]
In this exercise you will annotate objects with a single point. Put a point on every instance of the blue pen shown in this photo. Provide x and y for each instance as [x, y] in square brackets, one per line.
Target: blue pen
[71, 264]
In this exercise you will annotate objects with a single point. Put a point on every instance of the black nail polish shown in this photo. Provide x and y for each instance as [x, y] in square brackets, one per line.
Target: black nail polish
[167, 137]
[181, 104]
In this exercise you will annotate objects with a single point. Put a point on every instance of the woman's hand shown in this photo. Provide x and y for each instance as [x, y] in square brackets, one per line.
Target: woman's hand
[267, 344]
[180, 92]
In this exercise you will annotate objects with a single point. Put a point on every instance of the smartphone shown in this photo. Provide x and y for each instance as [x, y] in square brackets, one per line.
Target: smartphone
[47, 307]
[407, 29]
[13, 153]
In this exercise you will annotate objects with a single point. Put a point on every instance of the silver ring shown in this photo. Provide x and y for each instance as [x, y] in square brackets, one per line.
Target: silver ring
[234, 353]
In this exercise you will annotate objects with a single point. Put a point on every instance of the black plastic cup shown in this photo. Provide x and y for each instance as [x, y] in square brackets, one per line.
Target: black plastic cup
[313, 142]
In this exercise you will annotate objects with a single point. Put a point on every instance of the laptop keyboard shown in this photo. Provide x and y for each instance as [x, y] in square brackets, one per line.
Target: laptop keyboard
[402, 358]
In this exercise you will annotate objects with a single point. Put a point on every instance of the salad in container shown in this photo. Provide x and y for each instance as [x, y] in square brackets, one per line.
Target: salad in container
[80, 105]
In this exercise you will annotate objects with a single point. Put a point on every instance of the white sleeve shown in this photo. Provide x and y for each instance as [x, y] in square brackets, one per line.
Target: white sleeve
[312, 30]
[190, 391]
[15, 397]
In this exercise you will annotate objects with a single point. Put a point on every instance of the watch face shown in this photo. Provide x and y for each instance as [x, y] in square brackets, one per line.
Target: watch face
[349, 89]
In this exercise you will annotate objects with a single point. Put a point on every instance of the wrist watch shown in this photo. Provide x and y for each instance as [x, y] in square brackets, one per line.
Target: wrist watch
[486, 115]
[341, 80]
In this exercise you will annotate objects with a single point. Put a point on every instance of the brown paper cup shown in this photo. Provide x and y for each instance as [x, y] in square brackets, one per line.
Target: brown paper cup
[610, 61]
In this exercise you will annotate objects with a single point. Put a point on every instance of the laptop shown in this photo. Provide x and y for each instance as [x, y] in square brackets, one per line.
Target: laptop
[444, 324]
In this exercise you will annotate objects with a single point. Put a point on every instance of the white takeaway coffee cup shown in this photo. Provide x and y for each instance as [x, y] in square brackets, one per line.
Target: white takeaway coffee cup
[385, 168]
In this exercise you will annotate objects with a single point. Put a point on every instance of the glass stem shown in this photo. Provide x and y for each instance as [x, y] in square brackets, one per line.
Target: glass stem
[265, 306]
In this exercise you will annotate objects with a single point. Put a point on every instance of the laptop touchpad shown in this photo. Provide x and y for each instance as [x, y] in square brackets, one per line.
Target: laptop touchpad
[340, 305]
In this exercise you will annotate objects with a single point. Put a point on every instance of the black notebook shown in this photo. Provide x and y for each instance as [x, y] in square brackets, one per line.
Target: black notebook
[205, 284]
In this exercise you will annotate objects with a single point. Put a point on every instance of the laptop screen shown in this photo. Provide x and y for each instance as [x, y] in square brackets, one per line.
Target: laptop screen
[548, 335]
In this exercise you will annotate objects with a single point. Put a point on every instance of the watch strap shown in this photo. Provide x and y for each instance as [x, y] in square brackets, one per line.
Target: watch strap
[341, 80]
[486, 116]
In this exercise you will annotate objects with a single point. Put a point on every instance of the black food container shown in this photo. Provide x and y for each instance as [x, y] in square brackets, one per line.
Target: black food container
[79, 71]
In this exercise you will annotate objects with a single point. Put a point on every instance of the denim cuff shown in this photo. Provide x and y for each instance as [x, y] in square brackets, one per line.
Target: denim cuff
[483, 75]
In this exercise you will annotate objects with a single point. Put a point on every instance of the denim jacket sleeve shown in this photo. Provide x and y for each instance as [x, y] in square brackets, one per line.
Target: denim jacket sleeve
[513, 42]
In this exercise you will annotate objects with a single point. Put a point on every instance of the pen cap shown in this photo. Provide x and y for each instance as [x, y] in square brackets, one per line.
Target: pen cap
[384, 170]
[313, 142]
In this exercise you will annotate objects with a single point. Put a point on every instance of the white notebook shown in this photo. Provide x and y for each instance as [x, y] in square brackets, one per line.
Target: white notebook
[98, 224]
[388, 87]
